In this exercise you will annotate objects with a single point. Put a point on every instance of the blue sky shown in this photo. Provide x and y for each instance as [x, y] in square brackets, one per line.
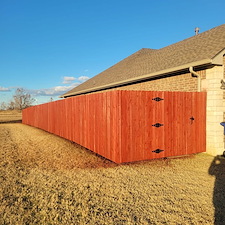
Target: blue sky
[47, 47]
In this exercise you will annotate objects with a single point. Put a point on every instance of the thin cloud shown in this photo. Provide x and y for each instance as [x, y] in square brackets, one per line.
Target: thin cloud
[54, 91]
[68, 80]
[83, 78]
[59, 90]
[3, 89]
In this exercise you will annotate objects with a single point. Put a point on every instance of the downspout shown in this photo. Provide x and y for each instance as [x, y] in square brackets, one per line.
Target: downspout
[194, 74]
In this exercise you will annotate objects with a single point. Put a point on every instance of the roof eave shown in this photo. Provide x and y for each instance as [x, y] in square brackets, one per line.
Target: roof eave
[215, 60]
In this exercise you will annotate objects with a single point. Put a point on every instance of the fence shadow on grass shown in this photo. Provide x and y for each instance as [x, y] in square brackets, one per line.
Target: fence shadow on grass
[217, 169]
[11, 121]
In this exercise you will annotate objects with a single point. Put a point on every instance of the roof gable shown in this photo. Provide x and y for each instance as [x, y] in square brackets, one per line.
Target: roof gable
[147, 62]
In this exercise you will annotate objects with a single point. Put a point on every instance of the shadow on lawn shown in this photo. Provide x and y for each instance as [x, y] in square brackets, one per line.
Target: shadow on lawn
[217, 169]
[11, 121]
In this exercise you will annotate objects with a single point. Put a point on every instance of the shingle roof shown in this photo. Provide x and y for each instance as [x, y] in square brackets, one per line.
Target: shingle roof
[198, 49]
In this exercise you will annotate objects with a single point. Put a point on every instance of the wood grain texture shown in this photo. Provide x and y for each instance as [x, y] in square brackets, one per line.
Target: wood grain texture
[118, 125]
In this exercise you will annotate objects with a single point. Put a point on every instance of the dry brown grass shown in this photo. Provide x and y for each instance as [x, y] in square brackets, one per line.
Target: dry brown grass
[10, 116]
[48, 180]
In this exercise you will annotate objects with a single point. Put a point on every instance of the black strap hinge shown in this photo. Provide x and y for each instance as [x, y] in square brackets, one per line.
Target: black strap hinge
[157, 125]
[158, 150]
[157, 99]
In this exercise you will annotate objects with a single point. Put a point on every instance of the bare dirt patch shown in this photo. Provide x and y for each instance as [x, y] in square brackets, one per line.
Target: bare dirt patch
[48, 180]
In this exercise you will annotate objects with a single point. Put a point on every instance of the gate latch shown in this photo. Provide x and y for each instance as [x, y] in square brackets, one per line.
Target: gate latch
[192, 119]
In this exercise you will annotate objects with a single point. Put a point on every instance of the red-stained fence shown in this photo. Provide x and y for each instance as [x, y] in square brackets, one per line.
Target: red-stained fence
[126, 126]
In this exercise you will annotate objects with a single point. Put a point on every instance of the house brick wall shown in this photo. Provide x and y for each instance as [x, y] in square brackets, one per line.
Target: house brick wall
[184, 82]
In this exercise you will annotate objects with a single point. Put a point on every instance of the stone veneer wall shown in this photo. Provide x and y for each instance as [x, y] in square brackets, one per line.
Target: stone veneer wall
[215, 110]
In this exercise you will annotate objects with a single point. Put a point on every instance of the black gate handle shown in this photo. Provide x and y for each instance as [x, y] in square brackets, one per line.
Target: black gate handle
[192, 119]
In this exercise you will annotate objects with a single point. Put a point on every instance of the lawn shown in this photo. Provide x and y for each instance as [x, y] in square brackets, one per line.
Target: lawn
[48, 180]
[7, 116]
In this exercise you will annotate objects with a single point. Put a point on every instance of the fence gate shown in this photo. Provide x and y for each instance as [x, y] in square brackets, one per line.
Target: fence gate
[126, 126]
[162, 124]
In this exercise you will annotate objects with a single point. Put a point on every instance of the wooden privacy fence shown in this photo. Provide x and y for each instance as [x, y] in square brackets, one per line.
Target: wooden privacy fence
[126, 126]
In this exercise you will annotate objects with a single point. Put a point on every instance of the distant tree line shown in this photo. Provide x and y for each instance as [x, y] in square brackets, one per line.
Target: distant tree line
[21, 100]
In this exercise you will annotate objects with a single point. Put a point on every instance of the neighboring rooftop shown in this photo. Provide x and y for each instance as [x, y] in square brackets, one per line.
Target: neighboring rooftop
[199, 50]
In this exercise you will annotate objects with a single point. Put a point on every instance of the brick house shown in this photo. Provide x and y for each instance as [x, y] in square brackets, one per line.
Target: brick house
[194, 64]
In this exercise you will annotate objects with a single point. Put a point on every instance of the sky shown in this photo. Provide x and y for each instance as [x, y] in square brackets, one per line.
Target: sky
[48, 47]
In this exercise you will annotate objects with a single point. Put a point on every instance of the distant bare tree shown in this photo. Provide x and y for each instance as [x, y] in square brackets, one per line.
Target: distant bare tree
[11, 105]
[3, 106]
[22, 99]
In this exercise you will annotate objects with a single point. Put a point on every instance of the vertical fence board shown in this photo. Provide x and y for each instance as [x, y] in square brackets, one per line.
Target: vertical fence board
[193, 124]
[104, 124]
[124, 126]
